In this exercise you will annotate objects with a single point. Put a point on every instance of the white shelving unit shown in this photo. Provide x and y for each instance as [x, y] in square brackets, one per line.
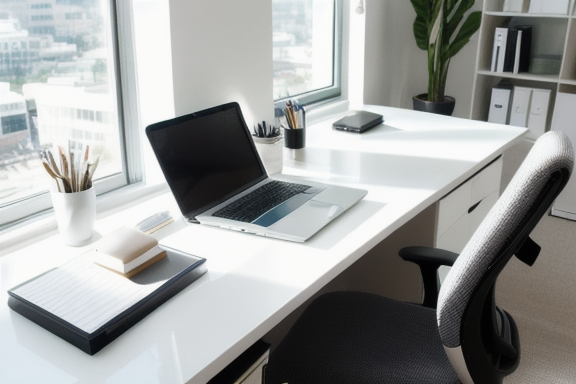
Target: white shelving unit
[552, 35]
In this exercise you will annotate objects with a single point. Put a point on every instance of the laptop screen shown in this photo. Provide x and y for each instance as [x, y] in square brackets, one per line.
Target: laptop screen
[207, 157]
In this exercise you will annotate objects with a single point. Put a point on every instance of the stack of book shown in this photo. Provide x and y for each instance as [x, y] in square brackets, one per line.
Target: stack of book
[127, 251]
[511, 50]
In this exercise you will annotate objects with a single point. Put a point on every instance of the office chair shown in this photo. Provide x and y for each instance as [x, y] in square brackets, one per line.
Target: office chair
[355, 337]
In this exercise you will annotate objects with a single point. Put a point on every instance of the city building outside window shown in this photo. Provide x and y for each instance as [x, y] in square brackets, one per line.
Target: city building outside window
[59, 86]
[306, 49]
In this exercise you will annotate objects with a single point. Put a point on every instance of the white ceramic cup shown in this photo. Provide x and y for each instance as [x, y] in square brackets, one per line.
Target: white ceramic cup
[271, 152]
[75, 215]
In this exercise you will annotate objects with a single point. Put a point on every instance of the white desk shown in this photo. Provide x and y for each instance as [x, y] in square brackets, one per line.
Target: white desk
[253, 283]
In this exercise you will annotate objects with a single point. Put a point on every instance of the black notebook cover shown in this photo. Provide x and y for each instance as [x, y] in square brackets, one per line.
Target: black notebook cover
[525, 47]
[510, 55]
[178, 268]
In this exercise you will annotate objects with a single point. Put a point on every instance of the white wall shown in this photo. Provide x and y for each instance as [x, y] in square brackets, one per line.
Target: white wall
[222, 52]
[395, 69]
[211, 66]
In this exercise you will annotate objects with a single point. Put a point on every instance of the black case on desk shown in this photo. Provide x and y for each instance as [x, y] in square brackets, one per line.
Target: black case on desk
[95, 341]
[358, 121]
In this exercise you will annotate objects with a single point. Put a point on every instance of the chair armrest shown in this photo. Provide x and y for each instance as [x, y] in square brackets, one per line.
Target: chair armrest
[429, 260]
[428, 254]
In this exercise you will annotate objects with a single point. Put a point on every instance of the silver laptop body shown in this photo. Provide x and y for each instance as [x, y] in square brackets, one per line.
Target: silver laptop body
[210, 161]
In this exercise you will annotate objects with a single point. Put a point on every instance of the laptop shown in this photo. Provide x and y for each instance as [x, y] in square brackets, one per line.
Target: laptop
[217, 178]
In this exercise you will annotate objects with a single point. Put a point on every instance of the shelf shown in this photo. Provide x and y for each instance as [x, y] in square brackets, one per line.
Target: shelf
[526, 14]
[522, 76]
[553, 38]
[567, 82]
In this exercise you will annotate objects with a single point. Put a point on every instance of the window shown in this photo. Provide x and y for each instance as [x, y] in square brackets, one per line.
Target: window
[42, 17]
[41, 6]
[306, 49]
[59, 86]
[73, 16]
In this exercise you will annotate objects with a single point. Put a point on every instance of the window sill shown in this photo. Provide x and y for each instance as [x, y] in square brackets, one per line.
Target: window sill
[44, 224]
[316, 113]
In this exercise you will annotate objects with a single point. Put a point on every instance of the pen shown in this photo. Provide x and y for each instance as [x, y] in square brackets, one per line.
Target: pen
[295, 114]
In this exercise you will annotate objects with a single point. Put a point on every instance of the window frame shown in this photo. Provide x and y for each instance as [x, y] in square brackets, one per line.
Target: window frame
[122, 48]
[335, 90]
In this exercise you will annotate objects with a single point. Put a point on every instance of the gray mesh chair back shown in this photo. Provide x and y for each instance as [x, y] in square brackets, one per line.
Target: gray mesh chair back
[481, 340]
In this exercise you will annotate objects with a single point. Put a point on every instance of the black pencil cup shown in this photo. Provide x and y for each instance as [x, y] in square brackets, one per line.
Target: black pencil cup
[295, 138]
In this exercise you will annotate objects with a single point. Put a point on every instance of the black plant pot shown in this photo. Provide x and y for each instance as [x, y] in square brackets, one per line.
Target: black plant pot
[445, 107]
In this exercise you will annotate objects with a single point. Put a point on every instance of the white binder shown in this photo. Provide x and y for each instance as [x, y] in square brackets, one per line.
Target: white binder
[557, 7]
[499, 49]
[499, 106]
[513, 6]
[538, 112]
[520, 106]
[536, 6]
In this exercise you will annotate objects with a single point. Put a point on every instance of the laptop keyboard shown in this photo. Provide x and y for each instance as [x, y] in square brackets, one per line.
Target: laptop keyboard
[251, 206]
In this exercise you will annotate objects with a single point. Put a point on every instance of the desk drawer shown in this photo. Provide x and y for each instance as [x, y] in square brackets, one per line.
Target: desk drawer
[461, 212]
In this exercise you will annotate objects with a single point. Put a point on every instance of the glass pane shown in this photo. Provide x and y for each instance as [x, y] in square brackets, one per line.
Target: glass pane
[57, 87]
[303, 46]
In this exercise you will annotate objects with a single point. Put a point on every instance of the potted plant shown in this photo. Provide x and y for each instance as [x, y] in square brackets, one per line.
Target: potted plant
[436, 23]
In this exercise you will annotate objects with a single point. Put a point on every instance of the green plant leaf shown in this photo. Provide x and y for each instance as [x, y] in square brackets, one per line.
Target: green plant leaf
[420, 27]
[470, 26]
[458, 9]
[456, 13]
[450, 28]
[422, 8]
[421, 33]
[451, 9]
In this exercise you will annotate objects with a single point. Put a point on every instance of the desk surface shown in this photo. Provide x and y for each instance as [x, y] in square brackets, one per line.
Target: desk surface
[252, 283]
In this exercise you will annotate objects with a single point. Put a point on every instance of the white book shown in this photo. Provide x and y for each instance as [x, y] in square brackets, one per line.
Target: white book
[117, 265]
[499, 49]
[127, 251]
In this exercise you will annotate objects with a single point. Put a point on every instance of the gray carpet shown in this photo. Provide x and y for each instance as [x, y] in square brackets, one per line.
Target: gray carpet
[542, 300]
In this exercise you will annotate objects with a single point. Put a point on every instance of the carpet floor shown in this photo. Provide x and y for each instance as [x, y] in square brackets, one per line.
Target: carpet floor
[542, 300]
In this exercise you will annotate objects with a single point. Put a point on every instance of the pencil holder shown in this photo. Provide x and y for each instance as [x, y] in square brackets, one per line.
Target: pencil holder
[75, 214]
[295, 138]
[270, 151]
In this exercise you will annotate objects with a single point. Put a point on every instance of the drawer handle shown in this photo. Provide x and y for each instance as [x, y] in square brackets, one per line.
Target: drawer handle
[472, 208]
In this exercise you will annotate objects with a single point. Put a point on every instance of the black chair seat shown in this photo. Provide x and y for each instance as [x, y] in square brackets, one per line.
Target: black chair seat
[355, 337]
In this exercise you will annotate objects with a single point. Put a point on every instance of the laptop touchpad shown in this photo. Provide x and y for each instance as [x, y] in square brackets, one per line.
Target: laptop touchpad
[312, 216]
[284, 209]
